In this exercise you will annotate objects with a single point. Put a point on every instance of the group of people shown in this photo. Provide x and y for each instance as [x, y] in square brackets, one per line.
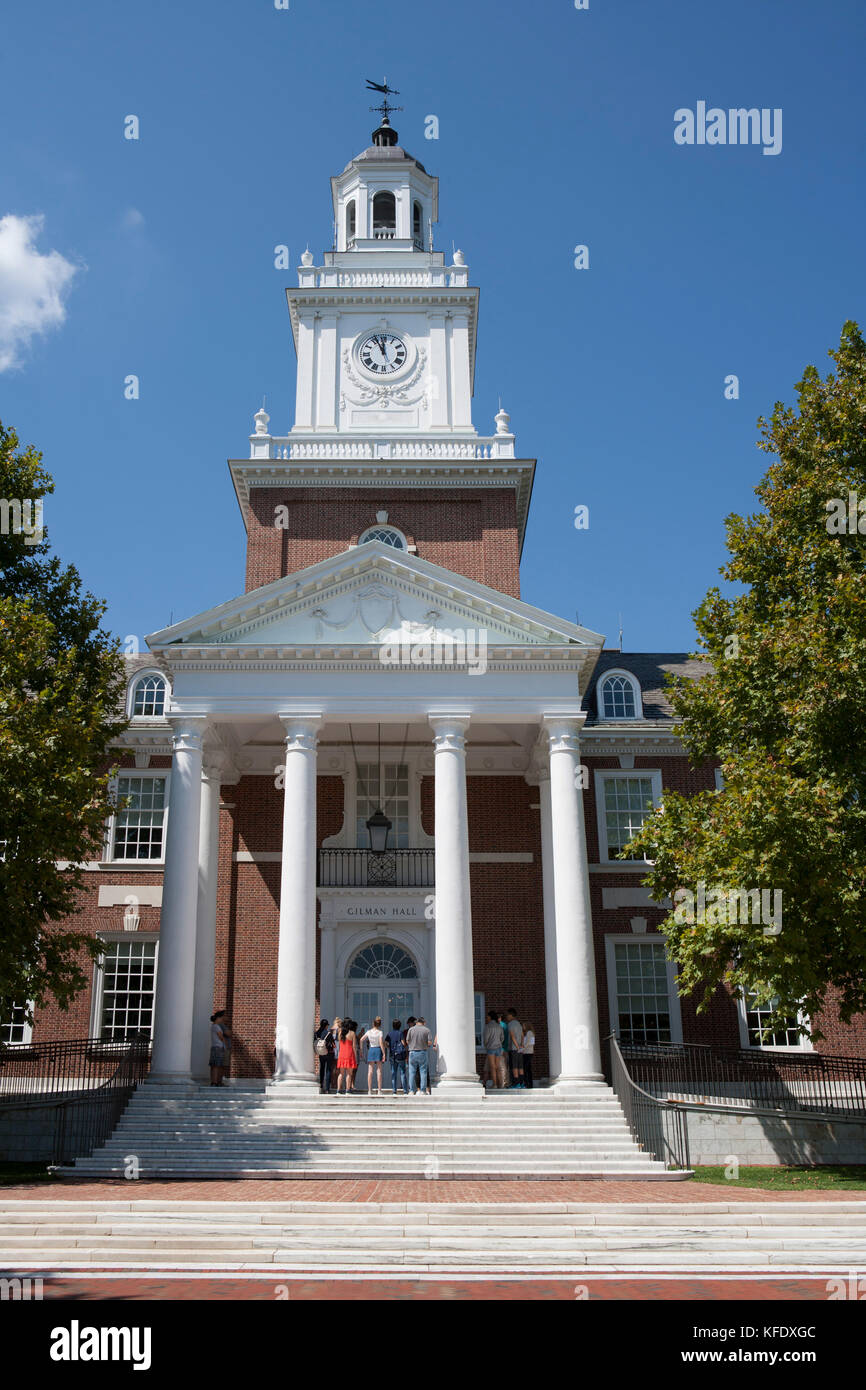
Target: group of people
[339, 1053]
[509, 1048]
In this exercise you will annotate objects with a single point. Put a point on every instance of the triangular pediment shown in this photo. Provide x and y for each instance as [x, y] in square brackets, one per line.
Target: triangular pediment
[368, 596]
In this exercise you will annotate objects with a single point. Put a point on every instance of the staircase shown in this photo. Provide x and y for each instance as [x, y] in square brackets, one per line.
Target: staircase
[43, 1234]
[206, 1132]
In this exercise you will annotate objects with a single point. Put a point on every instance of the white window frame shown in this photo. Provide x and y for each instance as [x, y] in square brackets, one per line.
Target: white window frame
[110, 938]
[368, 753]
[144, 674]
[599, 699]
[614, 939]
[804, 1045]
[385, 526]
[607, 774]
[28, 1033]
[108, 853]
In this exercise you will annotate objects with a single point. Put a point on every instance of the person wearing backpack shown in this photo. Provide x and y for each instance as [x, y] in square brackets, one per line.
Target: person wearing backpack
[323, 1043]
[397, 1055]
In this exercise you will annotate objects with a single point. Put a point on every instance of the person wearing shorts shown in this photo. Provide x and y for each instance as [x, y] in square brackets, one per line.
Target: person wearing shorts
[375, 1041]
[492, 1051]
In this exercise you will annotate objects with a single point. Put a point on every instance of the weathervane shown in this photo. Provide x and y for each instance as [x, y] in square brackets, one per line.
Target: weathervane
[386, 108]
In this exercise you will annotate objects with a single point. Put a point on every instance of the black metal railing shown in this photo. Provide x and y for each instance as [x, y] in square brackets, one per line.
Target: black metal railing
[743, 1079]
[659, 1127]
[363, 868]
[85, 1083]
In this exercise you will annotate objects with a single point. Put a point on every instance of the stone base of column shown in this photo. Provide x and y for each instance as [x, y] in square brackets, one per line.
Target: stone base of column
[298, 1083]
[577, 1085]
[459, 1087]
[169, 1078]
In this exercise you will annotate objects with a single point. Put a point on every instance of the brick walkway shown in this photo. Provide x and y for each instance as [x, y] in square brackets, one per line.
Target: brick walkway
[440, 1190]
[556, 1290]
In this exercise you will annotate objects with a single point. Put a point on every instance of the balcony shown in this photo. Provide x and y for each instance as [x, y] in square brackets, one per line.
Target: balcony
[362, 868]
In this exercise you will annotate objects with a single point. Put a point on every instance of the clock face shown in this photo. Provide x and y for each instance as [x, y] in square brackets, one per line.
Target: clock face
[383, 353]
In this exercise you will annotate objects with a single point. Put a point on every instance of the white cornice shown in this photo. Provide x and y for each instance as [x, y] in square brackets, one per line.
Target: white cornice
[517, 474]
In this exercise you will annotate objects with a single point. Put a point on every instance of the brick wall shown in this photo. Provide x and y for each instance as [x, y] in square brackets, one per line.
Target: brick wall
[473, 533]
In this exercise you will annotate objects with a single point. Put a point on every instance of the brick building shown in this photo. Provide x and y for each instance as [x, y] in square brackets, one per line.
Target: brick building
[382, 660]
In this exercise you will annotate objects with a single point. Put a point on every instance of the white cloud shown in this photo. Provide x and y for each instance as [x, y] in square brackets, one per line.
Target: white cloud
[32, 287]
[132, 219]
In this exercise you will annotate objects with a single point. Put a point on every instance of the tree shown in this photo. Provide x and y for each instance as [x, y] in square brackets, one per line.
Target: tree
[61, 678]
[782, 708]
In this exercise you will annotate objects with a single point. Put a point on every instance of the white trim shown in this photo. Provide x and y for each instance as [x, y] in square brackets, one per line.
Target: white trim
[613, 939]
[607, 774]
[636, 691]
[110, 937]
[26, 1027]
[142, 674]
[804, 1045]
[143, 865]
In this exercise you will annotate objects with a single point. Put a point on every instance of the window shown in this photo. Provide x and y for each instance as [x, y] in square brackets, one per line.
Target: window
[139, 824]
[384, 216]
[388, 535]
[619, 697]
[480, 1019]
[350, 222]
[383, 961]
[624, 801]
[16, 1029]
[644, 1007]
[128, 990]
[417, 225]
[148, 697]
[393, 799]
[753, 1027]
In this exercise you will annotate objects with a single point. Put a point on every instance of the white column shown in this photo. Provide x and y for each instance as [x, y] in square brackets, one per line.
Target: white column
[455, 1000]
[580, 1047]
[172, 1032]
[205, 931]
[296, 965]
[550, 972]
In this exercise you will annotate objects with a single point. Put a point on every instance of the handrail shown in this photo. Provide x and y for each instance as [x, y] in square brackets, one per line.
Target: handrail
[789, 1082]
[659, 1128]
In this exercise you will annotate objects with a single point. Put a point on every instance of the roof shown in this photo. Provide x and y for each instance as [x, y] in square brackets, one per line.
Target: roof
[385, 153]
[649, 670]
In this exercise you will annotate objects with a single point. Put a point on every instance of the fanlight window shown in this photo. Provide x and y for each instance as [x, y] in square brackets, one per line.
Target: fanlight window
[149, 697]
[383, 962]
[617, 698]
[387, 534]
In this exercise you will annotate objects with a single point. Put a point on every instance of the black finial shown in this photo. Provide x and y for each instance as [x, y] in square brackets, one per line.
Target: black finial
[385, 135]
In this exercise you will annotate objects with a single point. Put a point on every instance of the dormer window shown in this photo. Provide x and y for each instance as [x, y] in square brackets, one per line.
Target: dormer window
[388, 535]
[619, 696]
[418, 226]
[147, 696]
[384, 217]
[351, 223]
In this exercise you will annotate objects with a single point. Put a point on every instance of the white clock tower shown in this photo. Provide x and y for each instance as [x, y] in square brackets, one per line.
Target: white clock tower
[385, 331]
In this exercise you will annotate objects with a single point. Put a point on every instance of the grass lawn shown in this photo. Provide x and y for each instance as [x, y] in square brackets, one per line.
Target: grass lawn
[823, 1177]
[11, 1173]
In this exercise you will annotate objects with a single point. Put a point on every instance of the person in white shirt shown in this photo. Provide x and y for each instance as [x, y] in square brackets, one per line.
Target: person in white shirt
[375, 1040]
[528, 1052]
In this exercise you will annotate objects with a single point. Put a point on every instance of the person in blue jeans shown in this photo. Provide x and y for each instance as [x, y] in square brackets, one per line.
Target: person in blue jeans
[395, 1048]
[418, 1039]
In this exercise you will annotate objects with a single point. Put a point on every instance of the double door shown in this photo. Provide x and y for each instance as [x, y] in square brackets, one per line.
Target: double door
[378, 1001]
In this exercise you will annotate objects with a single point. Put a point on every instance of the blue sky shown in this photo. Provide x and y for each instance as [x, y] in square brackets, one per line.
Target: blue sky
[556, 129]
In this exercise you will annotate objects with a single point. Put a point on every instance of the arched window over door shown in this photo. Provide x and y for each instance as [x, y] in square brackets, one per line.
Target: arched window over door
[384, 960]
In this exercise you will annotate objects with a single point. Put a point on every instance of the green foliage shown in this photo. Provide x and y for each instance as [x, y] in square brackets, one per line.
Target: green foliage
[61, 678]
[782, 708]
